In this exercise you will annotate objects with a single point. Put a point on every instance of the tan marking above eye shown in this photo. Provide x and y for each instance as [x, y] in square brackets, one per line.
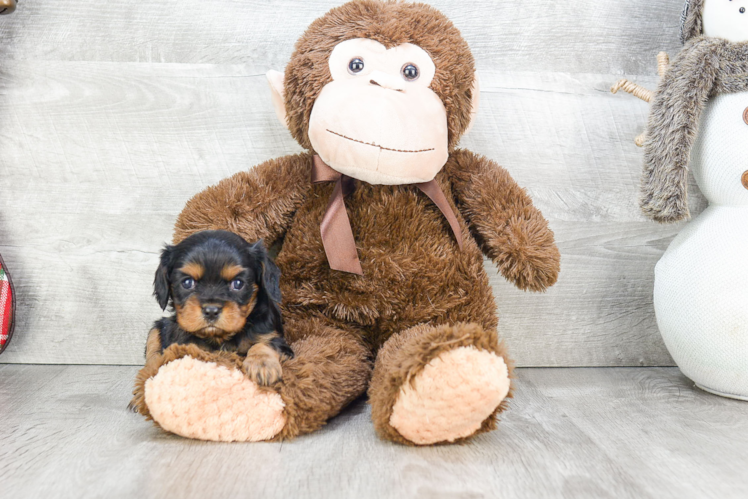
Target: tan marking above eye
[193, 269]
[230, 272]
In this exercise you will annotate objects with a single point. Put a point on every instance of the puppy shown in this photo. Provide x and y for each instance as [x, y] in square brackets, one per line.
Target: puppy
[224, 293]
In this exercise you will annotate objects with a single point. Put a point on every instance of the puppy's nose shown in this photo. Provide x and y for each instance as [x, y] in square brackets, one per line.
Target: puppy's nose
[211, 312]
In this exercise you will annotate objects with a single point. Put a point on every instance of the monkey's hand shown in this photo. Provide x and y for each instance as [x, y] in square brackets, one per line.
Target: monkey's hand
[525, 252]
[511, 231]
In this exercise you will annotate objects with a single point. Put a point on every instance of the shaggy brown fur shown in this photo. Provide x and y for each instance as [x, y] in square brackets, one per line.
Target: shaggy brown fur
[705, 67]
[258, 204]
[404, 356]
[522, 247]
[331, 368]
[414, 271]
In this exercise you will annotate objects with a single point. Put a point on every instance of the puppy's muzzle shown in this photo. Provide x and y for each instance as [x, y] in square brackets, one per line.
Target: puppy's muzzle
[212, 312]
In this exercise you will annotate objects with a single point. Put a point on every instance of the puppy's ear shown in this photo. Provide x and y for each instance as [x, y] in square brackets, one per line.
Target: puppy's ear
[161, 284]
[268, 272]
[268, 283]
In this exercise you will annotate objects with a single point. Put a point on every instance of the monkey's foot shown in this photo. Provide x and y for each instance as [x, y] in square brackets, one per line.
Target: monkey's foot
[451, 397]
[439, 384]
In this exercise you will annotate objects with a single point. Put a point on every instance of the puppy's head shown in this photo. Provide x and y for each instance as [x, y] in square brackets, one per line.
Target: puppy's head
[216, 281]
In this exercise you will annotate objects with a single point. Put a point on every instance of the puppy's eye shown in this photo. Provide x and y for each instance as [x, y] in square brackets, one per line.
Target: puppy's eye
[237, 285]
[356, 65]
[188, 283]
[410, 72]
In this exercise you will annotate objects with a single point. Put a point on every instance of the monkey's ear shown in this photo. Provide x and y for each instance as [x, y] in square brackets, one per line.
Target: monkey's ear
[475, 93]
[278, 93]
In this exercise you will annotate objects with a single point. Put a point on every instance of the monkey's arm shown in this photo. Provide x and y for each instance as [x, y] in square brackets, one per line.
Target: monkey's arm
[511, 231]
[672, 128]
[259, 203]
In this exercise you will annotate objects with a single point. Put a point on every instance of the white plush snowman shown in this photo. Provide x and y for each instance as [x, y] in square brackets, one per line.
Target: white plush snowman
[699, 122]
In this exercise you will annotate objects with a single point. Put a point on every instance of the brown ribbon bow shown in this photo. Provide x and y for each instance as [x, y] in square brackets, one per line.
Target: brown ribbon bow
[337, 235]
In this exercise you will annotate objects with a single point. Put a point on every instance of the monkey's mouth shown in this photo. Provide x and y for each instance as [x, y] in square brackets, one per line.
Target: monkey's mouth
[381, 147]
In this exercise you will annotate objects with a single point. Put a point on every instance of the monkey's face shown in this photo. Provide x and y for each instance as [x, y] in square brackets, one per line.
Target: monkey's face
[382, 91]
[378, 120]
[726, 19]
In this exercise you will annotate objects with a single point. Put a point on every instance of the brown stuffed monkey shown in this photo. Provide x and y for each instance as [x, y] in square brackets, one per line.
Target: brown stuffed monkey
[383, 224]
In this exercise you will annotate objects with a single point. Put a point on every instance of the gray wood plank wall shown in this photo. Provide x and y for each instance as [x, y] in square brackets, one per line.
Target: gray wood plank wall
[113, 114]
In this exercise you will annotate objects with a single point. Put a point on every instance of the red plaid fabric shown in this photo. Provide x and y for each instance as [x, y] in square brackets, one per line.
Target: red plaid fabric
[6, 307]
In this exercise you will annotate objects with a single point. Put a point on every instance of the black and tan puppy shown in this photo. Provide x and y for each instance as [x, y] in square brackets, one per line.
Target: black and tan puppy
[224, 293]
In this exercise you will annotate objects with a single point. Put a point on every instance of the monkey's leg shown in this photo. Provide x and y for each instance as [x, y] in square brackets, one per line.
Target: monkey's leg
[437, 384]
[331, 367]
[206, 395]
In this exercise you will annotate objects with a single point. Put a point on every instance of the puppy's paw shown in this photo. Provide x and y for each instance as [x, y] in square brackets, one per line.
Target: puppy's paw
[263, 369]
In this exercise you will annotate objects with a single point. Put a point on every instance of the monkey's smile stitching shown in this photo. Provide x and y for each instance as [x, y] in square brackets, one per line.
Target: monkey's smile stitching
[381, 147]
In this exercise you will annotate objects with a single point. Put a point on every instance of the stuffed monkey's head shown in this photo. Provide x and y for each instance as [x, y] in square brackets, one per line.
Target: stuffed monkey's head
[382, 91]
[727, 19]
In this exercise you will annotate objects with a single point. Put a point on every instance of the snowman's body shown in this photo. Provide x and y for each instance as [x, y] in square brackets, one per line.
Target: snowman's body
[701, 283]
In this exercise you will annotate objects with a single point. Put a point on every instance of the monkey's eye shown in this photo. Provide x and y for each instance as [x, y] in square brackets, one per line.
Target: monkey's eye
[236, 285]
[188, 283]
[410, 71]
[356, 65]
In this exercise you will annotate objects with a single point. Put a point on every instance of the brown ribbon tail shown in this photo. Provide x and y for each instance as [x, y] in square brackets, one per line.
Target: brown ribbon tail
[433, 191]
[337, 235]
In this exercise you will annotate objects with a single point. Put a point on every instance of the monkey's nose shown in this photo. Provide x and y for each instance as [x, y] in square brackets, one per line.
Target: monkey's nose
[7, 6]
[381, 79]
[211, 312]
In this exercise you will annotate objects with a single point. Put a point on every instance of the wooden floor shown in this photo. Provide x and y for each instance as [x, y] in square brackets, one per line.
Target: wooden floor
[586, 432]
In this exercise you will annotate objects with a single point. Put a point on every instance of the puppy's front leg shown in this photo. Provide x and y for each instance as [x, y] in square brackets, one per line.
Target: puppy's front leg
[263, 361]
[153, 346]
[153, 350]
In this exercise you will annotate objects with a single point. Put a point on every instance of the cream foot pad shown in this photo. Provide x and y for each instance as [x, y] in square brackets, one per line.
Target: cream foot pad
[451, 397]
[201, 400]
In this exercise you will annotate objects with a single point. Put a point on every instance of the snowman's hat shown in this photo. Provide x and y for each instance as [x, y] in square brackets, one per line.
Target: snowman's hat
[690, 22]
